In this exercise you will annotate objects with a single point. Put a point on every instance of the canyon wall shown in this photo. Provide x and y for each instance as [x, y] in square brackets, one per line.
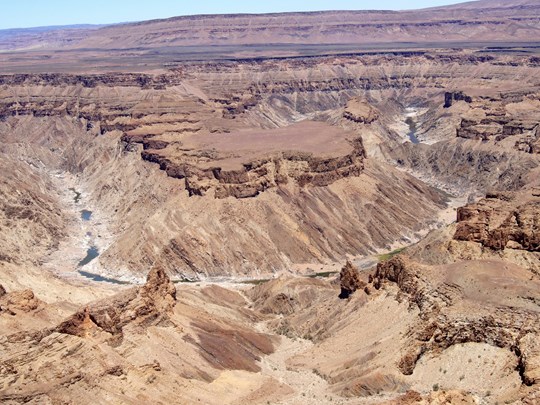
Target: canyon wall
[272, 157]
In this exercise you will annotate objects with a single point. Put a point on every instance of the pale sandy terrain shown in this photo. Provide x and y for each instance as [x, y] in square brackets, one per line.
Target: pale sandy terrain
[266, 232]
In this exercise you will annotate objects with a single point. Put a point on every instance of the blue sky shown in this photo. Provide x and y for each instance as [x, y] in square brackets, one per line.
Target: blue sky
[34, 13]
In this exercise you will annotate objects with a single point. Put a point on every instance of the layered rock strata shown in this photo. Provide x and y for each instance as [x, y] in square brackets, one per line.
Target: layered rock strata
[502, 221]
[440, 326]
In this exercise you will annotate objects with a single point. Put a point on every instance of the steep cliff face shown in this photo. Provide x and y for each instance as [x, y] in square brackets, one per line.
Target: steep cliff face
[275, 150]
[31, 218]
[262, 174]
[492, 297]
[502, 221]
[500, 119]
[450, 98]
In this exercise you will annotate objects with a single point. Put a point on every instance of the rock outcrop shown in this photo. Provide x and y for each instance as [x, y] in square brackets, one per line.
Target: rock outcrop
[439, 327]
[530, 143]
[159, 291]
[502, 221]
[529, 350]
[258, 176]
[504, 330]
[450, 97]
[350, 281]
[360, 111]
[18, 301]
[497, 118]
[401, 271]
[144, 305]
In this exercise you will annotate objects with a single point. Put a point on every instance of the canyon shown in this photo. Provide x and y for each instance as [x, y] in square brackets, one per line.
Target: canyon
[271, 212]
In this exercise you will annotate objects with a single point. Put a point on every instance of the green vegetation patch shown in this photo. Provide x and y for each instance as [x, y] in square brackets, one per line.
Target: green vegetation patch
[185, 280]
[324, 274]
[387, 256]
[256, 282]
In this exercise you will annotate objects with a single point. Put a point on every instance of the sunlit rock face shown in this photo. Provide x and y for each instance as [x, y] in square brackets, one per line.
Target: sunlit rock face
[179, 196]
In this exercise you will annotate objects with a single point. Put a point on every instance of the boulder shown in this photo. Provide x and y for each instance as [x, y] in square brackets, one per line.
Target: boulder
[24, 301]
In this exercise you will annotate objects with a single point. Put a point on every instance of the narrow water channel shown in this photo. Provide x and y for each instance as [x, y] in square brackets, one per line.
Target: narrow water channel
[412, 130]
[76, 195]
[97, 277]
[91, 253]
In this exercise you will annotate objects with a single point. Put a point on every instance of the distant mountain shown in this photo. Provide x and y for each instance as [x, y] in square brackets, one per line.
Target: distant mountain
[35, 30]
[480, 21]
[492, 4]
[41, 37]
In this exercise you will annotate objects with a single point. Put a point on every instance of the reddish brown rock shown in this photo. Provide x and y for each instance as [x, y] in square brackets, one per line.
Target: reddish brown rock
[473, 223]
[14, 301]
[409, 398]
[359, 110]
[501, 221]
[403, 272]
[350, 280]
[159, 289]
[145, 305]
[227, 349]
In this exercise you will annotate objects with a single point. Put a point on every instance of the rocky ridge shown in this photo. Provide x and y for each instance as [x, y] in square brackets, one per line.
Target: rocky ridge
[146, 305]
[502, 221]
[16, 301]
[498, 118]
[258, 176]
[256, 167]
[510, 328]
[108, 338]
[350, 281]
